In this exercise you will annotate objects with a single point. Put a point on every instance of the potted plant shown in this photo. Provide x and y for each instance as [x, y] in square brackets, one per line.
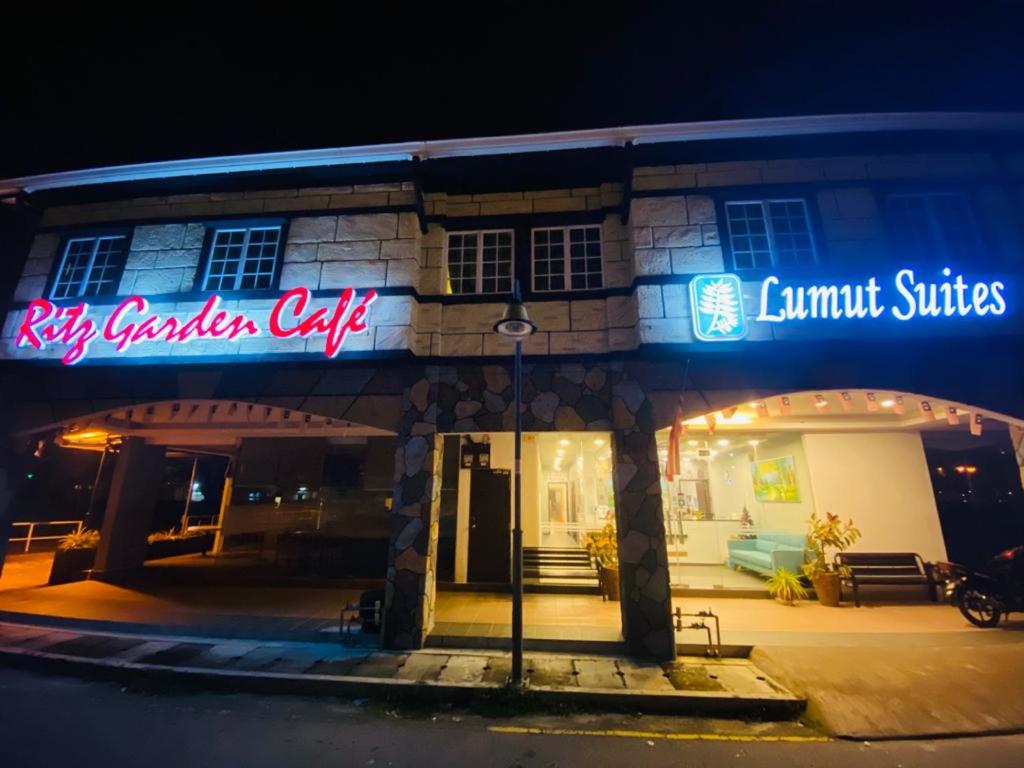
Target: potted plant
[75, 555]
[785, 587]
[825, 538]
[172, 543]
[603, 548]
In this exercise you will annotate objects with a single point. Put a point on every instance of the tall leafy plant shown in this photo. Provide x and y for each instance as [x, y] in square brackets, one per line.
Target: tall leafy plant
[603, 546]
[825, 537]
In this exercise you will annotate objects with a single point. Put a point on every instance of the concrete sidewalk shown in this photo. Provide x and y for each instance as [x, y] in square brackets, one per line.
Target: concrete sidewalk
[729, 687]
[931, 689]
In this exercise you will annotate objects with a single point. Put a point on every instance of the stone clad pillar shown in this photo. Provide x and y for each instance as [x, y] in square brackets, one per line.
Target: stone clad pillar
[643, 555]
[412, 553]
[134, 489]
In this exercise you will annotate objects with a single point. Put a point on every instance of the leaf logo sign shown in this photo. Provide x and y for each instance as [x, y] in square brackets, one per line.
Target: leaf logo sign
[716, 302]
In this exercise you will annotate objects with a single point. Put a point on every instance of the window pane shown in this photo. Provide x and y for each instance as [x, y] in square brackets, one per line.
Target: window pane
[548, 260]
[789, 222]
[913, 238]
[90, 267]
[243, 258]
[955, 225]
[747, 232]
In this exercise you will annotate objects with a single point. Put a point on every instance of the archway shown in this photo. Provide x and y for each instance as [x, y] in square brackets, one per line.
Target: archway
[898, 463]
[212, 505]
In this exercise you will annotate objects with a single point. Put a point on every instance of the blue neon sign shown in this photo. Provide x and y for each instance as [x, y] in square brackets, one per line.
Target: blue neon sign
[716, 302]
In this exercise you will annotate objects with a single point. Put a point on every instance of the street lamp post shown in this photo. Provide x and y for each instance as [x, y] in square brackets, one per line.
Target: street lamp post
[516, 324]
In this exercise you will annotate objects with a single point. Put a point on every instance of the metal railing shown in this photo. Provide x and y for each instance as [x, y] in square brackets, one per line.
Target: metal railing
[44, 523]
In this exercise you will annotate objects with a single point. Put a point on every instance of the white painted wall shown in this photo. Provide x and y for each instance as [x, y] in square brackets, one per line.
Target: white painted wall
[781, 515]
[881, 481]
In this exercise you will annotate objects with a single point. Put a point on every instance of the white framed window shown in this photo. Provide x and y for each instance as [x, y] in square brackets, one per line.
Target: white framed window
[932, 226]
[567, 258]
[242, 259]
[480, 262]
[90, 266]
[770, 233]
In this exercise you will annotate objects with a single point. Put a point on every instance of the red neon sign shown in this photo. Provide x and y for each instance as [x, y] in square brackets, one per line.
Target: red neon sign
[130, 323]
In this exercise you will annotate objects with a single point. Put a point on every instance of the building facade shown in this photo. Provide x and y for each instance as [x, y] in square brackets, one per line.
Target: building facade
[855, 278]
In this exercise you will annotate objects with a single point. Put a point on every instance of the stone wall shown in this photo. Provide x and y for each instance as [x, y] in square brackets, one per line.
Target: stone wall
[672, 234]
[256, 202]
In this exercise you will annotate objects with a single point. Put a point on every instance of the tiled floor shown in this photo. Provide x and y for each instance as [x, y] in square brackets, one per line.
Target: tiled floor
[715, 577]
[258, 611]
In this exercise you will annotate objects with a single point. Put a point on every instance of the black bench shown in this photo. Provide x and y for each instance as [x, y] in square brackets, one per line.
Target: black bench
[893, 569]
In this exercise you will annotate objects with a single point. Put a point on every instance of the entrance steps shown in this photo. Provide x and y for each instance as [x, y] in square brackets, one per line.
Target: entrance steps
[559, 570]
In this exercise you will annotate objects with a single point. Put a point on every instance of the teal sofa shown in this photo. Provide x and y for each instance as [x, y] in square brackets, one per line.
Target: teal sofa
[767, 553]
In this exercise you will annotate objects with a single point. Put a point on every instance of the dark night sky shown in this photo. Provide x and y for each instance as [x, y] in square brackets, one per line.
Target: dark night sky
[84, 92]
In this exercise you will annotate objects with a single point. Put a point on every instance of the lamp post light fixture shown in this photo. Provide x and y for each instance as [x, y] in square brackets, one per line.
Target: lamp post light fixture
[515, 324]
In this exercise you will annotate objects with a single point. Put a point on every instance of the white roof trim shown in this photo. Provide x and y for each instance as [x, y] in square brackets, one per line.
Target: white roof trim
[536, 142]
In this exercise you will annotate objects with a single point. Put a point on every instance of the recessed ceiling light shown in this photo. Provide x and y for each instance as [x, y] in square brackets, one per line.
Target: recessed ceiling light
[599, 442]
[888, 403]
[693, 442]
[563, 441]
[723, 443]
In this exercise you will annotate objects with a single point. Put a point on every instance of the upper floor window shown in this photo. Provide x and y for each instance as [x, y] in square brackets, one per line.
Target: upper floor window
[90, 266]
[932, 226]
[567, 258]
[770, 233]
[242, 259]
[480, 262]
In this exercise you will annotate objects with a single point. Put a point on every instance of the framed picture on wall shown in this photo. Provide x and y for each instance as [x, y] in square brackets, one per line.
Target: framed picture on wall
[775, 480]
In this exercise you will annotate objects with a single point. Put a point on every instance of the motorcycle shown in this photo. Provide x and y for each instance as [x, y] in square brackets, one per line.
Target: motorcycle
[985, 597]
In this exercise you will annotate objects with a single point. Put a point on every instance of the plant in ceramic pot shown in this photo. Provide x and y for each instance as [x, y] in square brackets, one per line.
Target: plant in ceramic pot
[785, 587]
[826, 537]
[603, 547]
[75, 554]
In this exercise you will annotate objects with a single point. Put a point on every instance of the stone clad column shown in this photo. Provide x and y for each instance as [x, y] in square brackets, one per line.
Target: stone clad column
[643, 556]
[134, 489]
[412, 554]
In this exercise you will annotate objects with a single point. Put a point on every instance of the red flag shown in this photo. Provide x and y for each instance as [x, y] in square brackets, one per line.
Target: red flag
[952, 417]
[926, 410]
[729, 412]
[712, 421]
[785, 405]
[846, 399]
[672, 465]
[897, 405]
[976, 424]
[872, 401]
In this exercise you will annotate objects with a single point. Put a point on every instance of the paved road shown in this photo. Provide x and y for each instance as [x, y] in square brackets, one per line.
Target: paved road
[50, 720]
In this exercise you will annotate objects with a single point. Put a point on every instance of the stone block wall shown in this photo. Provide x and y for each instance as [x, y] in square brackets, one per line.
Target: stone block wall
[672, 233]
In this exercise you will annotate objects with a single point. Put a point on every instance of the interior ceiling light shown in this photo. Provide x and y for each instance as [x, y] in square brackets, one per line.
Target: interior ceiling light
[723, 443]
[563, 441]
[736, 418]
[692, 442]
[888, 403]
[599, 442]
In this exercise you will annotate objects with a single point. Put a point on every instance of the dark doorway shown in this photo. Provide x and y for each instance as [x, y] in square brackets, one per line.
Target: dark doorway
[490, 513]
[978, 493]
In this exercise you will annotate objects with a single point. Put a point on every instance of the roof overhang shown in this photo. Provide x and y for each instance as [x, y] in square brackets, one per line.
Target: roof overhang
[715, 130]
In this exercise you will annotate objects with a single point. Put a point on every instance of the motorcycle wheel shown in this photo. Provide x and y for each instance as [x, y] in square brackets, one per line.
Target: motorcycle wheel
[978, 608]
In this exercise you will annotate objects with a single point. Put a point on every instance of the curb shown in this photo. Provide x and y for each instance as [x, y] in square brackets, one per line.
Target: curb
[662, 702]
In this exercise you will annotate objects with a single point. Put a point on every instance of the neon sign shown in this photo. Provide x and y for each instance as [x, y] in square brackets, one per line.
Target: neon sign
[131, 323]
[856, 301]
